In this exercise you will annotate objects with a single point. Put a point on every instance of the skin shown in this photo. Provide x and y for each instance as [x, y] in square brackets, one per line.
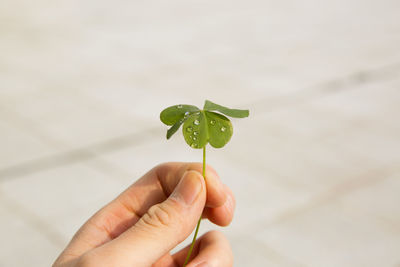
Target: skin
[151, 217]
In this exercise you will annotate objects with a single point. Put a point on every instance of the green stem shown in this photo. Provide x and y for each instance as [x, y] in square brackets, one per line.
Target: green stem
[198, 223]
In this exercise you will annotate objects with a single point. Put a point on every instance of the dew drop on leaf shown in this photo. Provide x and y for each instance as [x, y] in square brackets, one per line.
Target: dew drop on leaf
[194, 145]
[212, 122]
[195, 133]
[186, 113]
[223, 129]
[189, 129]
[194, 138]
[179, 106]
[196, 122]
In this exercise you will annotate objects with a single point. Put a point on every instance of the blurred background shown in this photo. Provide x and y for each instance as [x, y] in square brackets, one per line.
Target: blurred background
[315, 168]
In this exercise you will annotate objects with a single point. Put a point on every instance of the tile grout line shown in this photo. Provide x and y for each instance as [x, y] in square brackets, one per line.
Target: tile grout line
[92, 151]
[329, 86]
[393, 69]
[369, 178]
[114, 144]
[34, 221]
[77, 155]
[29, 126]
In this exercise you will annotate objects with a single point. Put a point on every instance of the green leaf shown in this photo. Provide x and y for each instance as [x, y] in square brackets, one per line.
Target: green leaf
[220, 129]
[235, 113]
[175, 127]
[195, 130]
[174, 114]
[202, 126]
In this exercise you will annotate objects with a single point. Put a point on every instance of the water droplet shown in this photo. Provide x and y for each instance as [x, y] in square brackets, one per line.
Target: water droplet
[212, 122]
[195, 133]
[223, 129]
[196, 122]
[194, 138]
[189, 129]
[179, 106]
[194, 145]
[186, 113]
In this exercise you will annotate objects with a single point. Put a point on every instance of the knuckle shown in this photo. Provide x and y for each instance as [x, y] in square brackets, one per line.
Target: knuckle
[162, 215]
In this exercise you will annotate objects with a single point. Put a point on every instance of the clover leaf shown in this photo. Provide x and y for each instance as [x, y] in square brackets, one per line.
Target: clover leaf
[201, 127]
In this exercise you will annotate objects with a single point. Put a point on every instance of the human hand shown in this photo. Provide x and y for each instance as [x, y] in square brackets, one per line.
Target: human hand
[151, 217]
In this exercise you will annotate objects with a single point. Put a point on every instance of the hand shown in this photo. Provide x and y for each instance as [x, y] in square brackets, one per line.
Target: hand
[151, 217]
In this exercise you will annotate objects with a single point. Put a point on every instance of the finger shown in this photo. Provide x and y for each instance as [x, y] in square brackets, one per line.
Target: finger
[216, 195]
[123, 212]
[163, 227]
[222, 215]
[211, 249]
[165, 261]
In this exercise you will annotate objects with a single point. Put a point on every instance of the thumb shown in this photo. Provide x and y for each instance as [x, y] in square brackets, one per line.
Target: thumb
[163, 227]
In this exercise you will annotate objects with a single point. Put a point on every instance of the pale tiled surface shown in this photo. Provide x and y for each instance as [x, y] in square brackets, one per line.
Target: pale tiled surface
[315, 168]
[22, 236]
[356, 228]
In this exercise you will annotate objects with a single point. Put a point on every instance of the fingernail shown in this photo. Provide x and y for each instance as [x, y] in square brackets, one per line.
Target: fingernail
[217, 179]
[229, 203]
[188, 188]
[213, 177]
